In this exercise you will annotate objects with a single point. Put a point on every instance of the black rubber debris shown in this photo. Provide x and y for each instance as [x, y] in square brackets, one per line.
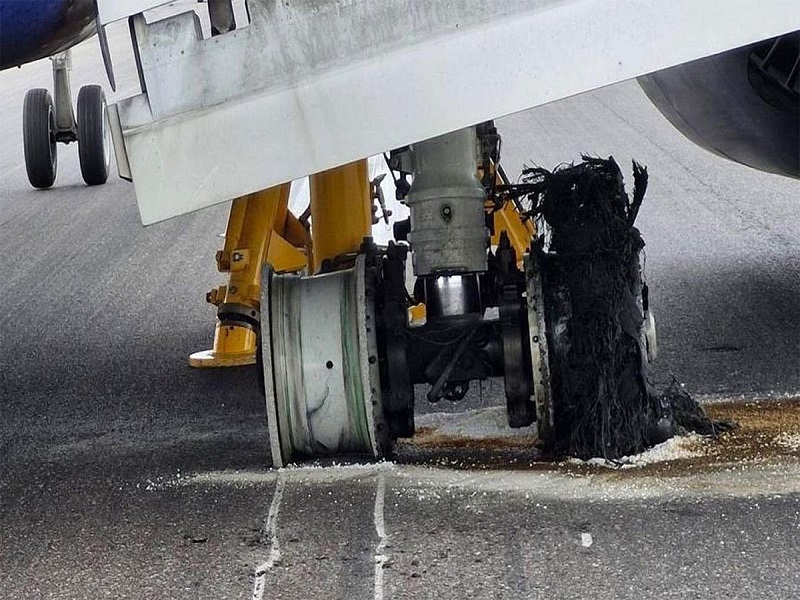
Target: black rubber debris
[595, 298]
[689, 416]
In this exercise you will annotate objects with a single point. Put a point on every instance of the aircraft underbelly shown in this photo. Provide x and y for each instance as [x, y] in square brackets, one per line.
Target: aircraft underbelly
[305, 87]
[33, 30]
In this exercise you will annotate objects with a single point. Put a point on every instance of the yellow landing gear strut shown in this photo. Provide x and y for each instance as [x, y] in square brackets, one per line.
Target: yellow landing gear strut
[262, 229]
[508, 219]
[341, 211]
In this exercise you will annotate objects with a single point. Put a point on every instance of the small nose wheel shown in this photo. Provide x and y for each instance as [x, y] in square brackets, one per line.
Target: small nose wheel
[94, 135]
[39, 138]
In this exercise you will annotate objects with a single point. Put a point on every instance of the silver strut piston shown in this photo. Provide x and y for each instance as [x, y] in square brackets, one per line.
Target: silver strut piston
[448, 228]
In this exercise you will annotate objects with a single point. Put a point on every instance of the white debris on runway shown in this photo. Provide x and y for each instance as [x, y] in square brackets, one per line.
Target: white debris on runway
[492, 424]
[680, 447]
[481, 423]
[789, 440]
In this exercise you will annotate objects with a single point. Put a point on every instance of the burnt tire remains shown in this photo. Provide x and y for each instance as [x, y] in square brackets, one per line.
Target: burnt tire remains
[603, 401]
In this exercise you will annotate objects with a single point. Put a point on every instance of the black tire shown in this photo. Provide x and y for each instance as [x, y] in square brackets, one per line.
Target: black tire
[94, 141]
[39, 138]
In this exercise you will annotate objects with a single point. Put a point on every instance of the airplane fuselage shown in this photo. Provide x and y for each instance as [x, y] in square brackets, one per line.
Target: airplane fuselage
[33, 30]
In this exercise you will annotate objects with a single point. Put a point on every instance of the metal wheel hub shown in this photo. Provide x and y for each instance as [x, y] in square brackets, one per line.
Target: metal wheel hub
[321, 366]
[537, 337]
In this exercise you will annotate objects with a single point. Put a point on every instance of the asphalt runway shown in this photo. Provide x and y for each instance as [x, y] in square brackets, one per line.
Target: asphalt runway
[126, 474]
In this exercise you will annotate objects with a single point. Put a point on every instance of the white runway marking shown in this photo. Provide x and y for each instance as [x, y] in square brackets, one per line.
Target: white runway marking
[271, 531]
[380, 529]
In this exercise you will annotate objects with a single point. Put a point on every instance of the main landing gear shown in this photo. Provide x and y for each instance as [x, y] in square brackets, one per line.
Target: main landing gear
[342, 346]
[343, 349]
[46, 122]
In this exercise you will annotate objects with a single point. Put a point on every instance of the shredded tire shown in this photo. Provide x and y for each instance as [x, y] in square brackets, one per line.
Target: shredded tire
[604, 403]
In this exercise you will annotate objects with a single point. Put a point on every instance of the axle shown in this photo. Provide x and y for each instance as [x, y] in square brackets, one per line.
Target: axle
[344, 349]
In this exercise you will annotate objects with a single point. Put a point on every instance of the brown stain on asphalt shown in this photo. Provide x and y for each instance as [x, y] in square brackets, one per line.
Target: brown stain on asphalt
[756, 441]
[760, 424]
[427, 437]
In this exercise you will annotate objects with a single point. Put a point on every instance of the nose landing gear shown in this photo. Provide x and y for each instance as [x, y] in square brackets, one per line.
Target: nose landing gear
[94, 135]
[561, 316]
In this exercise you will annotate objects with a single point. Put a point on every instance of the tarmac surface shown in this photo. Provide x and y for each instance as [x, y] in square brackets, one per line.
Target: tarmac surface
[126, 474]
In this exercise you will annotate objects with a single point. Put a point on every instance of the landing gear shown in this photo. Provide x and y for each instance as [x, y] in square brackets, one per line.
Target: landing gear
[46, 122]
[344, 349]
[595, 306]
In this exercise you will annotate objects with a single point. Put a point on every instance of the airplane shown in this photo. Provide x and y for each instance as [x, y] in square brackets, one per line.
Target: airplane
[702, 100]
[310, 89]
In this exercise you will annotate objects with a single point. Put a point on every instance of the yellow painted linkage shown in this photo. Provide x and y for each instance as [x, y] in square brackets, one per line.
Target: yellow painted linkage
[260, 227]
[341, 211]
[519, 230]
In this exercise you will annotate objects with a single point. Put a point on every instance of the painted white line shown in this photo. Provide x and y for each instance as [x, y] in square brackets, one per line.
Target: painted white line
[271, 530]
[380, 529]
